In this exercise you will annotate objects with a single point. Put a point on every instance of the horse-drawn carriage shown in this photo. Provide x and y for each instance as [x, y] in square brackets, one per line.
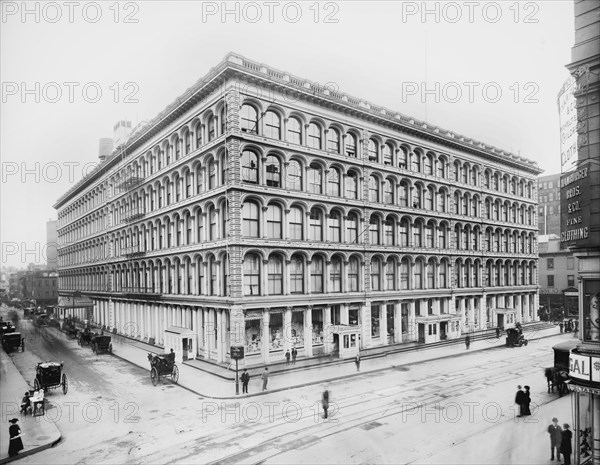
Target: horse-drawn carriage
[13, 341]
[514, 337]
[101, 344]
[84, 337]
[70, 329]
[557, 375]
[162, 365]
[49, 375]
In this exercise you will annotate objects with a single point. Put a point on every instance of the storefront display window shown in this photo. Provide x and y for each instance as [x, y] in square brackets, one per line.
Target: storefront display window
[297, 332]
[253, 335]
[591, 311]
[375, 320]
[317, 326]
[276, 331]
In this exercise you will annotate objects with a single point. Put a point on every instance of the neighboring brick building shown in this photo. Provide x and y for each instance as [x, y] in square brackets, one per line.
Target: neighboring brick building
[549, 204]
[299, 216]
[40, 286]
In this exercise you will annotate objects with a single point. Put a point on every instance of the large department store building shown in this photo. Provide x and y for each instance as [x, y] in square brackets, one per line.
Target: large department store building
[263, 210]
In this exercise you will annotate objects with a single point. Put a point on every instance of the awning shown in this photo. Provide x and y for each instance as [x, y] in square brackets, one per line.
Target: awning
[66, 302]
[179, 330]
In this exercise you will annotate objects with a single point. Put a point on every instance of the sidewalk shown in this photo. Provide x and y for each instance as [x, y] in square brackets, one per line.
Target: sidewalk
[36, 433]
[515, 441]
[197, 377]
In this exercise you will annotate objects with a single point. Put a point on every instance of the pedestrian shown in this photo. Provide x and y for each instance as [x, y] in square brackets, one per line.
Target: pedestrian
[555, 432]
[15, 443]
[468, 341]
[245, 380]
[325, 402]
[565, 444]
[265, 378]
[294, 355]
[561, 327]
[287, 357]
[520, 400]
[357, 362]
[498, 332]
[526, 410]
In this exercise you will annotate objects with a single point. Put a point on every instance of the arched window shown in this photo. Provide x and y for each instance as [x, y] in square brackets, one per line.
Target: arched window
[274, 223]
[250, 219]
[431, 274]
[335, 275]
[212, 174]
[373, 189]
[442, 275]
[333, 182]
[375, 274]
[351, 185]
[374, 230]
[296, 275]
[403, 194]
[335, 225]
[211, 128]
[352, 228]
[417, 234]
[198, 180]
[429, 228]
[177, 144]
[249, 166]
[315, 232]
[404, 274]
[213, 217]
[403, 157]
[404, 232]
[333, 140]
[275, 275]
[316, 275]
[248, 119]
[429, 196]
[387, 155]
[388, 192]
[296, 225]
[373, 150]
[188, 142]
[272, 125]
[389, 231]
[273, 167]
[418, 274]
[313, 136]
[429, 164]
[441, 168]
[416, 162]
[390, 274]
[294, 131]
[198, 130]
[251, 274]
[353, 270]
[315, 179]
[417, 196]
[350, 145]
[294, 177]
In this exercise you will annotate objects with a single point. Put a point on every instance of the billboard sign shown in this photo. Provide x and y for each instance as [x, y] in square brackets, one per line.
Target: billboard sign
[567, 116]
[575, 208]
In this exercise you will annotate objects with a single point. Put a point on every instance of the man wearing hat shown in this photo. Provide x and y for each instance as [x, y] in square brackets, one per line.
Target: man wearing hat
[15, 443]
[555, 432]
[25, 402]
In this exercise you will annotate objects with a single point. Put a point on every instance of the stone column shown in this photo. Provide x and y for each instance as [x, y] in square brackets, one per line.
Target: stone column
[412, 322]
[287, 329]
[219, 334]
[206, 332]
[365, 324]
[397, 322]
[383, 329]
[266, 337]
[308, 341]
[327, 331]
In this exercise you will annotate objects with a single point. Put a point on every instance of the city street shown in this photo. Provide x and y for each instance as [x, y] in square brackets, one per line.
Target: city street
[112, 413]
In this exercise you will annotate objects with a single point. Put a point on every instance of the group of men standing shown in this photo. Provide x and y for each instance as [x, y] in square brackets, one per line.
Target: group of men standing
[560, 441]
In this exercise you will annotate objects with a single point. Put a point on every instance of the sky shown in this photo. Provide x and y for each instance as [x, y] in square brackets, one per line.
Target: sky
[70, 70]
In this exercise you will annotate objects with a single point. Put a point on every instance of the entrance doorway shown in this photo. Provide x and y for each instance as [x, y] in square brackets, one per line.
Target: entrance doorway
[500, 320]
[335, 350]
[443, 330]
[421, 332]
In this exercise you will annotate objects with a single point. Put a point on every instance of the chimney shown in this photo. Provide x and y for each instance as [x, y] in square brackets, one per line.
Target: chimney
[121, 132]
[106, 148]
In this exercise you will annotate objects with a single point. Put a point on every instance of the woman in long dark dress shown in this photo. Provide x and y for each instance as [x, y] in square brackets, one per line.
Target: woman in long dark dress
[526, 410]
[565, 444]
[15, 443]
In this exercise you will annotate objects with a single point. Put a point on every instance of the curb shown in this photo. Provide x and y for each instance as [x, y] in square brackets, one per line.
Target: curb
[35, 450]
[337, 378]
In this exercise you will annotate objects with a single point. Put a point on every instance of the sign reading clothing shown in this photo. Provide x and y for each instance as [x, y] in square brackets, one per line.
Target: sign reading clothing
[584, 367]
[567, 115]
[575, 208]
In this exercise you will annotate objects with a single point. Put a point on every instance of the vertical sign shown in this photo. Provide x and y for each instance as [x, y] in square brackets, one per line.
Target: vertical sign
[575, 208]
[567, 116]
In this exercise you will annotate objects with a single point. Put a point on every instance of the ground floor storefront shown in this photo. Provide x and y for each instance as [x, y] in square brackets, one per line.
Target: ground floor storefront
[268, 331]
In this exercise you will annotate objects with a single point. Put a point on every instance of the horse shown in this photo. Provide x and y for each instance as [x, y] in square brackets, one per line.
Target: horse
[556, 378]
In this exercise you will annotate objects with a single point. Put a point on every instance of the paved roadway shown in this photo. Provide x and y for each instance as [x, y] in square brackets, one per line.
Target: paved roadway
[112, 414]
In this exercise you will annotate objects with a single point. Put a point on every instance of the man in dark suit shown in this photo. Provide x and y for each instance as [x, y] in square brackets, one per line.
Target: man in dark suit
[520, 400]
[555, 432]
[565, 444]
[245, 380]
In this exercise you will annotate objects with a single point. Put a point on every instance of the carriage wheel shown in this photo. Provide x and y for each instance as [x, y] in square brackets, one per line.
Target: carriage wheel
[36, 384]
[525, 342]
[175, 374]
[65, 384]
[154, 376]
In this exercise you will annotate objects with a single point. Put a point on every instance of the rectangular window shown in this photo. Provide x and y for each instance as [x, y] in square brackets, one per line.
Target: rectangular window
[550, 280]
[353, 276]
[570, 263]
[550, 263]
[571, 280]
[375, 320]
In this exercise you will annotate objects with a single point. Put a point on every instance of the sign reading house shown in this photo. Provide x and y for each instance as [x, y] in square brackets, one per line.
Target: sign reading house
[575, 208]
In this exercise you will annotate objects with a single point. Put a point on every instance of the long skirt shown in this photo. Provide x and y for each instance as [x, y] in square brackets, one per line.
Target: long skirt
[15, 446]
